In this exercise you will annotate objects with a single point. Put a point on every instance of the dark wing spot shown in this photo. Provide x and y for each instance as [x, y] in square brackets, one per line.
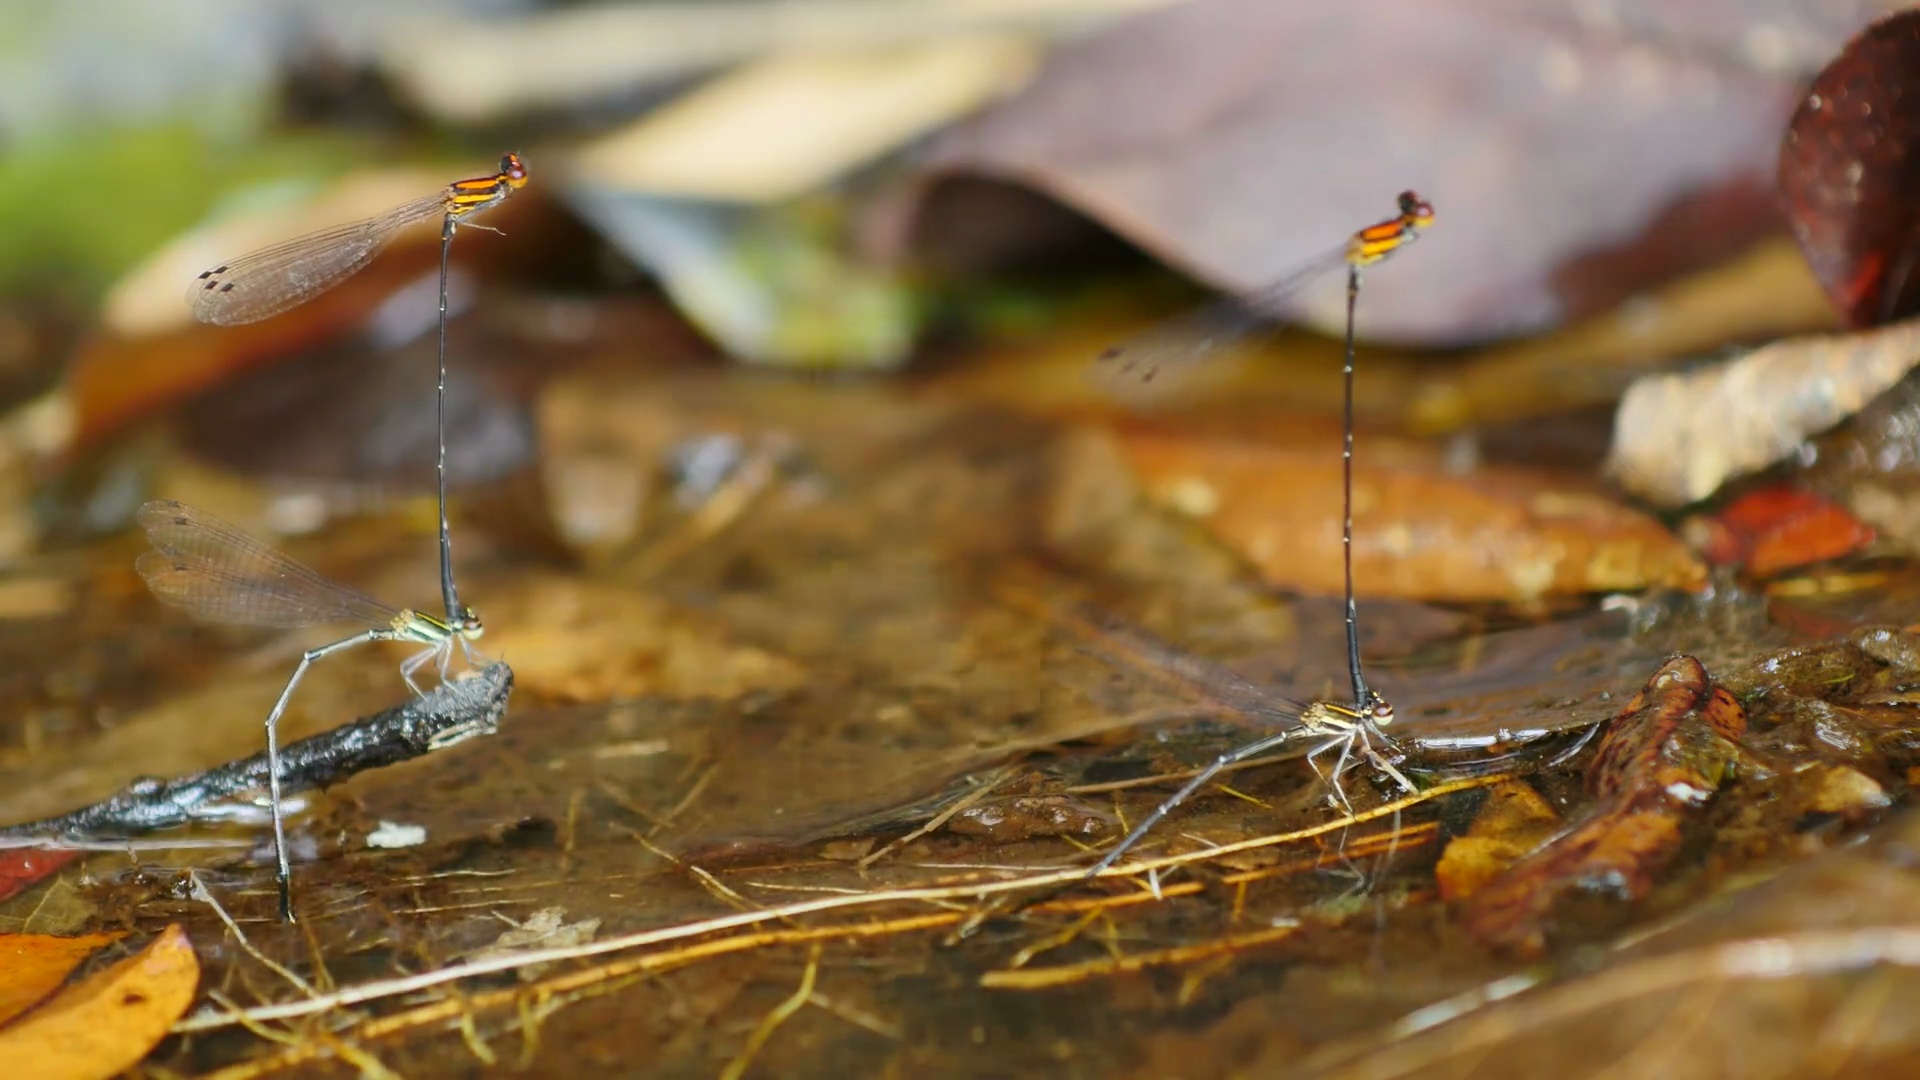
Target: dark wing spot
[132, 998]
[228, 287]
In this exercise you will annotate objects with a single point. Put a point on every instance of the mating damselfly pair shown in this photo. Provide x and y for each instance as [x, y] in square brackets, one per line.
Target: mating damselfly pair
[219, 573]
[1355, 728]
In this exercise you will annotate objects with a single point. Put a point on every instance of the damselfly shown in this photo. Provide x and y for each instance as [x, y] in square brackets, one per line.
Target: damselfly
[1355, 733]
[220, 574]
[269, 281]
[1194, 337]
[1210, 329]
[272, 280]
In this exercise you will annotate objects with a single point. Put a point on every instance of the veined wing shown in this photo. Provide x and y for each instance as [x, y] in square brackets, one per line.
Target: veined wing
[1157, 360]
[271, 280]
[220, 574]
[1135, 650]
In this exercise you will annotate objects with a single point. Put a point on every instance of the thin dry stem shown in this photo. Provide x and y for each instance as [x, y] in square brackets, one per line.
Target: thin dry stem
[781, 1014]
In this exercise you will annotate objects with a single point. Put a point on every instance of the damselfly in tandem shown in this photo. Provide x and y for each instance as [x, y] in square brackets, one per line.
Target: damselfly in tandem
[1202, 334]
[220, 574]
[1209, 330]
[274, 279]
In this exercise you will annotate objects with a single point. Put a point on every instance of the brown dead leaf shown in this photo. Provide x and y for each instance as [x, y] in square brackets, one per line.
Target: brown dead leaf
[1677, 438]
[114, 380]
[1421, 532]
[36, 965]
[109, 1021]
[1662, 756]
[1847, 179]
[577, 641]
[1238, 138]
[1872, 464]
[1810, 973]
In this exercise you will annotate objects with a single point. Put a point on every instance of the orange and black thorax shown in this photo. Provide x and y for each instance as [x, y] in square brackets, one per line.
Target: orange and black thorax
[1376, 242]
[471, 196]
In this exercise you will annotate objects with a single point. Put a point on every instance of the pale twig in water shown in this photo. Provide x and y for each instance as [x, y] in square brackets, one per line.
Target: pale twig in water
[1417, 1043]
[198, 890]
[781, 1014]
[858, 1017]
[1055, 940]
[1066, 974]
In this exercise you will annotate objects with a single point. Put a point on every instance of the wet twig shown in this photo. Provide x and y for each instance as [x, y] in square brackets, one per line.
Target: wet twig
[452, 713]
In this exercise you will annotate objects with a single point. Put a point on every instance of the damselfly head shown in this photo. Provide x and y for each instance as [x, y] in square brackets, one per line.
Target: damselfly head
[468, 626]
[1379, 709]
[1415, 211]
[514, 169]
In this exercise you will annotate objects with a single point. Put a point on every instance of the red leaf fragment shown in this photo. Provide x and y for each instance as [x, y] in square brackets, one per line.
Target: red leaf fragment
[1778, 528]
[23, 868]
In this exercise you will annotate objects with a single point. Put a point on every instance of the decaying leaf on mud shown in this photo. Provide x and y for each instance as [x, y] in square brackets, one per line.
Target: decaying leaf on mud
[1663, 756]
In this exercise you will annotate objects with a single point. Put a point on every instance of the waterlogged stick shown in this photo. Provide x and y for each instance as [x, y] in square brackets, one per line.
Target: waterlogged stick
[453, 712]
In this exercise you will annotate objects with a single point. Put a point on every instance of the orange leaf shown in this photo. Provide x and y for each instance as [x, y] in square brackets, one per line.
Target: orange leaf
[36, 965]
[1778, 528]
[106, 1023]
[1420, 531]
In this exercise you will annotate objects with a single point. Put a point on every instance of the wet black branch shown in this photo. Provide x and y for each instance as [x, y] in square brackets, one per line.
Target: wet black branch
[451, 713]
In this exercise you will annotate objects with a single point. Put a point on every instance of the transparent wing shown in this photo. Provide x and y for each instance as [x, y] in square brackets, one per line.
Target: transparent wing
[273, 279]
[1155, 361]
[1133, 649]
[220, 574]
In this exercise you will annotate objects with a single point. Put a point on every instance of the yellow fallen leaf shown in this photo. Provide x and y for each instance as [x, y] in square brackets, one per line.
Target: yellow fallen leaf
[789, 124]
[106, 1023]
[36, 965]
[1513, 821]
